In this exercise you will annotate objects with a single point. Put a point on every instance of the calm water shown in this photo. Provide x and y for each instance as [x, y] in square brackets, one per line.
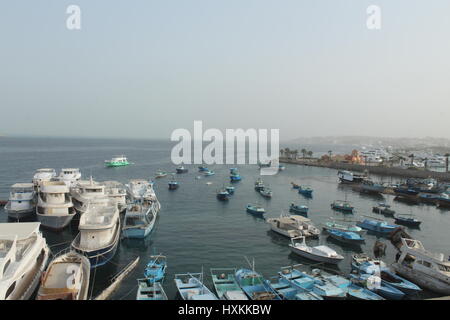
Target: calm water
[195, 230]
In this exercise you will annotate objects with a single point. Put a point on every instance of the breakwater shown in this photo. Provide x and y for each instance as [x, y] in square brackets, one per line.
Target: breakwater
[388, 171]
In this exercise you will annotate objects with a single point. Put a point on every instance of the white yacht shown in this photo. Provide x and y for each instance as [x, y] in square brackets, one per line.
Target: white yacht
[293, 226]
[88, 191]
[23, 257]
[99, 234]
[54, 209]
[138, 189]
[22, 201]
[427, 269]
[69, 176]
[116, 192]
[41, 175]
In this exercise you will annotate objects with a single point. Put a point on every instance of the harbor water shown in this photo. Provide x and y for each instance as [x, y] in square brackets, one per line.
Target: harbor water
[196, 231]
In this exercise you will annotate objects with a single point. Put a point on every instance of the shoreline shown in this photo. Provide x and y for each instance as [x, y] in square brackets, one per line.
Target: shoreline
[386, 171]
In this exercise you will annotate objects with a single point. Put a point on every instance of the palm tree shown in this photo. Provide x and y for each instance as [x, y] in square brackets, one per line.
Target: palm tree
[303, 151]
[287, 152]
[425, 161]
[412, 158]
[281, 153]
[310, 153]
[295, 152]
[446, 161]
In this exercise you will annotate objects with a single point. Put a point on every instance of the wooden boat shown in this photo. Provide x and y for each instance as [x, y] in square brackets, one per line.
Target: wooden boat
[342, 205]
[410, 222]
[293, 226]
[140, 218]
[298, 209]
[190, 287]
[259, 185]
[384, 209]
[226, 285]
[305, 190]
[377, 226]
[156, 268]
[380, 288]
[181, 169]
[346, 236]
[288, 291]
[150, 290]
[223, 195]
[404, 190]
[318, 253]
[265, 192]
[300, 279]
[255, 209]
[254, 285]
[66, 278]
[345, 228]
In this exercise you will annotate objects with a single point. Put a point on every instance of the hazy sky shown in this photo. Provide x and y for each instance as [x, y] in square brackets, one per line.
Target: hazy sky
[145, 68]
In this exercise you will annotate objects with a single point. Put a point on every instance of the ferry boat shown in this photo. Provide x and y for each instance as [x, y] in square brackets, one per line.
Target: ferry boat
[99, 234]
[226, 285]
[24, 255]
[427, 269]
[117, 193]
[138, 189]
[66, 278]
[117, 161]
[317, 253]
[293, 226]
[54, 209]
[86, 192]
[69, 176]
[350, 177]
[140, 219]
[41, 175]
[191, 287]
[22, 201]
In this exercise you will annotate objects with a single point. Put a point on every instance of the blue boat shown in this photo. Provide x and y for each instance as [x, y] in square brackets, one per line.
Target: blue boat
[223, 195]
[156, 268]
[299, 279]
[255, 286]
[383, 289]
[235, 177]
[209, 173]
[306, 191]
[233, 170]
[230, 189]
[202, 169]
[298, 209]
[287, 291]
[255, 209]
[377, 226]
[150, 290]
[346, 236]
[140, 219]
[343, 206]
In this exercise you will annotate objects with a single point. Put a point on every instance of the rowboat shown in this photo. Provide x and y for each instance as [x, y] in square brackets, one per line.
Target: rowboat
[255, 209]
[298, 209]
[340, 227]
[288, 291]
[254, 285]
[150, 290]
[346, 237]
[341, 205]
[190, 287]
[226, 285]
[377, 226]
[375, 284]
[318, 253]
[305, 190]
[156, 268]
[410, 222]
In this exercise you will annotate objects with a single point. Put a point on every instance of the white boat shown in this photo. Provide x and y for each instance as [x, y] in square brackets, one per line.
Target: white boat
[350, 177]
[117, 193]
[427, 269]
[54, 208]
[99, 233]
[138, 189]
[66, 278]
[23, 257]
[318, 253]
[86, 192]
[42, 175]
[293, 226]
[22, 201]
[140, 219]
[69, 176]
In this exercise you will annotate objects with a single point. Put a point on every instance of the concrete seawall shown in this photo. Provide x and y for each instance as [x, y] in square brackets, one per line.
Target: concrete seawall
[398, 172]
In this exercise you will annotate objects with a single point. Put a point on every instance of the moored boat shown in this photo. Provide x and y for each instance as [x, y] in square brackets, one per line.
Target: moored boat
[116, 191]
[156, 268]
[377, 226]
[288, 291]
[345, 228]
[346, 236]
[259, 184]
[318, 253]
[209, 173]
[407, 221]
[21, 202]
[86, 192]
[173, 184]
[266, 192]
[150, 290]
[375, 284]
[343, 206]
[230, 189]
[293, 226]
[140, 219]
[255, 209]
[384, 209]
[69, 176]
[191, 287]
[160, 174]
[223, 195]
[235, 177]
[300, 209]
[254, 285]
[42, 175]
[181, 169]
[350, 177]
[305, 190]
[295, 186]
[226, 285]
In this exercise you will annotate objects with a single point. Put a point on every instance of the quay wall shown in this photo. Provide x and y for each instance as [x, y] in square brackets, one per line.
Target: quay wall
[387, 171]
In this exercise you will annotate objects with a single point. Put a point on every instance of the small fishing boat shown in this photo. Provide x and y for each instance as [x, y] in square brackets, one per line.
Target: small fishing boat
[156, 268]
[316, 286]
[181, 169]
[230, 189]
[140, 219]
[281, 167]
[298, 209]
[404, 190]
[233, 170]
[318, 253]
[345, 228]
[266, 192]
[160, 174]
[375, 284]
[202, 169]
[407, 221]
[255, 209]
[117, 161]
[345, 236]
[66, 278]
[384, 209]
[235, 177]
[293, 226]
[259, 185]
[368, 186]
[342, 205]
[305, 190]
[377, 226]
[173, 185]
[223, 195]
[22, 201]
[288, 291]
[209, 173]
[295, 186]
[226, 285]
[150, 290]
[190, 287]
[254, 285]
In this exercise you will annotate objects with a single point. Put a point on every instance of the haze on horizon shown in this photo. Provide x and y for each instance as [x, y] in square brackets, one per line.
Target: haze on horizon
[144, 68]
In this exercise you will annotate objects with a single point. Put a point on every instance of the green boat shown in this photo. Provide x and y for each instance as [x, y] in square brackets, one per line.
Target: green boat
[225, 284]
[117, 161]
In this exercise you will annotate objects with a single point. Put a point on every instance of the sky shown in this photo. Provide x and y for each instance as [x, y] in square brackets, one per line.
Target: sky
[143, 68]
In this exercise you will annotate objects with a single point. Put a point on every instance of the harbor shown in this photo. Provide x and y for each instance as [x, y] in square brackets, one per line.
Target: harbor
[196, 231]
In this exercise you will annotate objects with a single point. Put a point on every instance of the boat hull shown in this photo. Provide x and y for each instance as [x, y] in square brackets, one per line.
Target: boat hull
[55, 222]
[422, 279]
[19, 214]
[314, 257]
